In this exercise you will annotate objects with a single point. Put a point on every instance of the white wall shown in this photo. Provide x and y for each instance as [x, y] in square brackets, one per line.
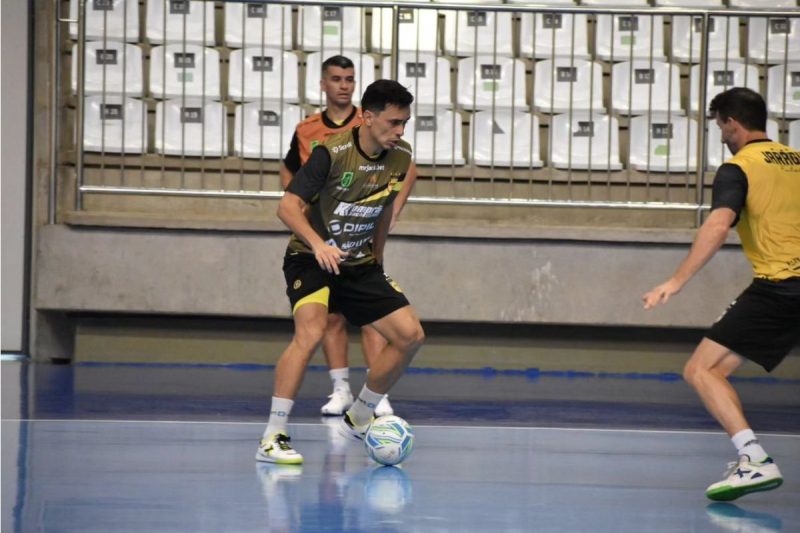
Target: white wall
[13, 142]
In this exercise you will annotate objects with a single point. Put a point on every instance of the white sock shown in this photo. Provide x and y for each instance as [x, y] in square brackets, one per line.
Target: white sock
[278, 416]
[364, 407]
[340, 378]
[747, 444]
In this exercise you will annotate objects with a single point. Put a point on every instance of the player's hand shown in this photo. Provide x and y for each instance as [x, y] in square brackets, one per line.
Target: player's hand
[329, 257]
[660, 294]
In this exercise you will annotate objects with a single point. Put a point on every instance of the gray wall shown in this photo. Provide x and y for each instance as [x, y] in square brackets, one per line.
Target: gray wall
[13, 147]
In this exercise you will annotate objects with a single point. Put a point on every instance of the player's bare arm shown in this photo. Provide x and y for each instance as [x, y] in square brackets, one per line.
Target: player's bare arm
[286, 176]
[381, 231]
[291, 212]
[402, 196]
[710, 238]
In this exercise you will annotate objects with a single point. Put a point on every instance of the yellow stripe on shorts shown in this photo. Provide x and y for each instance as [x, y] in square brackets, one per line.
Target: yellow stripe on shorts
[318, 297]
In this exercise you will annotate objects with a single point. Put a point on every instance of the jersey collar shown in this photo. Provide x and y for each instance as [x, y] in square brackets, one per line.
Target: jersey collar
[378, 157]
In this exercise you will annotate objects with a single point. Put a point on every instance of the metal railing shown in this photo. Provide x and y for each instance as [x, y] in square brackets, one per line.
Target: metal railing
[492, 54]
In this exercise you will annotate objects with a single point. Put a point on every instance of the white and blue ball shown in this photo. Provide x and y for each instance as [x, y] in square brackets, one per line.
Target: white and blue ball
[389, 440]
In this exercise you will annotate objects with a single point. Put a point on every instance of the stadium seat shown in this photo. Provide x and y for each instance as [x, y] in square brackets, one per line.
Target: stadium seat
[633, 36]
[720, 77]
[570, 140]
[258, 24]
[472, 32]
[773, 40]
[114, 125]
[196, 128]
[267, 129]
[418, 29]
[780, 82]
[505, 138]
[342, 28]
[436, 139]
[718, 153]
[171, 21]
[760, 3]
[689, 3]
[425, 75]
[183, 71]
[484, 82]
[687, 38]
[113, 68]
[615, 3]
[256, 73]
[794, 134]
[549, 35]
[662, 142]
[574, 84]
[645, 87]
[364, 69]
[112, 19]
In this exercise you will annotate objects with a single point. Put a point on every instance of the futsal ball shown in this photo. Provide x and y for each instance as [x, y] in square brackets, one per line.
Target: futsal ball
[389, 440]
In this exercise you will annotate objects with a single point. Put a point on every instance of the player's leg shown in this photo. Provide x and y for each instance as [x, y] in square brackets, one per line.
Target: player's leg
[372, 344]
[334, 346]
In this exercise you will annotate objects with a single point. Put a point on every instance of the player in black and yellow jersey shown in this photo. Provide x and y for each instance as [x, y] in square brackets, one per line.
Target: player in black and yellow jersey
[758, 191]
[337, 83]
[339, 207]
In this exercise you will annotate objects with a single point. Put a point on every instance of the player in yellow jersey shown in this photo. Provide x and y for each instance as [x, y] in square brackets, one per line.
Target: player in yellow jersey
[337, 82]
[758, 191]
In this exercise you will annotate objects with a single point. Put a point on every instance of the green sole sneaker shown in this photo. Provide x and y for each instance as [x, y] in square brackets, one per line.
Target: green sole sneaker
[744, 477]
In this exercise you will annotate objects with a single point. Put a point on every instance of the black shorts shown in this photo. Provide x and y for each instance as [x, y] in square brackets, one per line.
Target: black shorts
[362, 293]
[763, 323]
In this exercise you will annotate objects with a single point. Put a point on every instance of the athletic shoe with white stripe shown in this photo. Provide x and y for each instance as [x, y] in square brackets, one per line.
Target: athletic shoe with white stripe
[384, 408]
[348, 429]
[744, 477]
[340, 401]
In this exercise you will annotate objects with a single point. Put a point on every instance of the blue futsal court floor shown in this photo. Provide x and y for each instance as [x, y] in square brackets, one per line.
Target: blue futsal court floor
[145, 448]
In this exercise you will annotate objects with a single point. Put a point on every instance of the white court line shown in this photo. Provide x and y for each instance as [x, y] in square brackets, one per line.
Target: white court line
[306, 424]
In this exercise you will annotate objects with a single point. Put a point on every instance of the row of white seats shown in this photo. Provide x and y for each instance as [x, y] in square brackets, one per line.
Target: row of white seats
[501, 138]
[332, 29]
[558, 85]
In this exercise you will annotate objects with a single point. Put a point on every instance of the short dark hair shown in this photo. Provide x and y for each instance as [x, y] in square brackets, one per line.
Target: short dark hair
[382, 93]
[337, 61]
[744, 105]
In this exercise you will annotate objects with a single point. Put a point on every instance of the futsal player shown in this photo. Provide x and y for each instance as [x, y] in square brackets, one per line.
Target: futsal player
[339, 208]
[337, 82]
[758, 191]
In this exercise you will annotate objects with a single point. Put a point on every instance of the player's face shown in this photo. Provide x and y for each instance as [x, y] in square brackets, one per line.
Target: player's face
[338, 85]
[727, 133]
[388, 126]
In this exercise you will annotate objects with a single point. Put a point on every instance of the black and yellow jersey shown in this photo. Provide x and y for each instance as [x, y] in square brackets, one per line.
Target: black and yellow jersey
[347, 191]
[769, 224]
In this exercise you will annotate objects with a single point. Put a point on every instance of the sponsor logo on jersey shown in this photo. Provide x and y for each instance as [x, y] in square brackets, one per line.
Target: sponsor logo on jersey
[347, 180]
[345, 209]
[341, 147]
[372, 167]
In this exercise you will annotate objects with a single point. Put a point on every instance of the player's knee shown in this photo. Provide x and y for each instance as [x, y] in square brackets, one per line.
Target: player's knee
[413, 339]
[309, 336]
[692, 372]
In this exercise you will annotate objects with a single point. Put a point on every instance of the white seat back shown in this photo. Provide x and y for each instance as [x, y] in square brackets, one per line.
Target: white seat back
[331, 29]
[614, 3]
[760, 3]
[172, 21]
[783, 90]
[112, 19]
[425, 75]
[717, 152]
[181, 73]
[794, 134]
[571, 139]
[255, 73]
[484, 81]
[723, 38]
[547, 35]
[644, 86]
[720, 77]
[436, 139]
[264, 131]
[258, 24]
[626, 36]
[418, 29]
[689, 3]
[773, 40]
[364, 71]
[505, 138]
[111, 68]
[196, 128]
[662, 142]
[560, 84]
[469, 32]
[115, 125]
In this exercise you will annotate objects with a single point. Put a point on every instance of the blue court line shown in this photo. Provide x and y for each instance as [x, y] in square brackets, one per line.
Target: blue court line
[487, 371]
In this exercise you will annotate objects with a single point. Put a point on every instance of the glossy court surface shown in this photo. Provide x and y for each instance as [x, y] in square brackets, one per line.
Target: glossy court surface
[171, 448]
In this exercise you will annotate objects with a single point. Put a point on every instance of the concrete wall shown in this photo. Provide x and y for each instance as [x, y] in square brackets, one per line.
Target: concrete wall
[524, 281]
